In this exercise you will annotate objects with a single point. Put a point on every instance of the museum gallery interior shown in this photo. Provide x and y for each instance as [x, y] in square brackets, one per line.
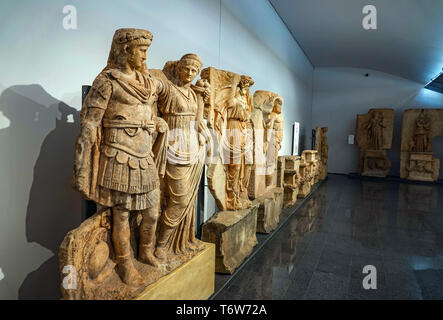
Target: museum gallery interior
[221, 150]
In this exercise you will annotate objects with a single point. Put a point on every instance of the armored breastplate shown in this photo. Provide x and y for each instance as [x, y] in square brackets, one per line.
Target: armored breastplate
[125, 121]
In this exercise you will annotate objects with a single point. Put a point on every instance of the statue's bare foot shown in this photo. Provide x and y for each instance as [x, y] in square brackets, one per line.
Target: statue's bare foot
[247, 203]
[200, 245]
[160, 252]
[146, 256]
[128, 274]
[196, 245]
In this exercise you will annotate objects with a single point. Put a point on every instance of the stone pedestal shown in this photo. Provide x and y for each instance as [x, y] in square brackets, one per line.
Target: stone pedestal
[280, 172]
[290, 179]
[321, 145]
[291, 188]
[423, 166]
[257, 181]
[194, 280]
[234, 236]
[310, 158]
[316, 168]
[270, 206]
[375, 163]
[323, 171]
[304, 187]
[87, 264]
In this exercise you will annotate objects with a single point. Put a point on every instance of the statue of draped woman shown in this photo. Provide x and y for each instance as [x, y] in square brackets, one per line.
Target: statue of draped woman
[375, 131]
[238, 146]
[187, 141]
[421, 141]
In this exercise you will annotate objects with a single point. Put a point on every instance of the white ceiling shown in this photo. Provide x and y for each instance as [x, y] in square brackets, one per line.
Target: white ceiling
[407, 43]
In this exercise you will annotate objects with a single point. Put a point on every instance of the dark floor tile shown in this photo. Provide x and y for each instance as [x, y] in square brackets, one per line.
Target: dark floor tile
[334, 262]
[301, 277]
[327, 286]
[430, 282]
[402, 285]
[348, 224]
[338, 227]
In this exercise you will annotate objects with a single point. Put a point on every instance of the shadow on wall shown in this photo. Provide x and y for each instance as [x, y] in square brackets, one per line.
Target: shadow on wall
[30, 234]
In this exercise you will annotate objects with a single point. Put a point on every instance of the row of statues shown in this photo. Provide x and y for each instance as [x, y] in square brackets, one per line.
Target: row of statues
[374, 132]
[146, 135]
[300, 173]
[234, 232]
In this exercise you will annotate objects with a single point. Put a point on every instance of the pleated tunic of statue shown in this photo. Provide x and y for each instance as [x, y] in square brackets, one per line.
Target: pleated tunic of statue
[184, 166]
[127, 174]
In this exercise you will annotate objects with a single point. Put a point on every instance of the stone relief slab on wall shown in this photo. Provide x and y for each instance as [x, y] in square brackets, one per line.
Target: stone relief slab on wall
[419, 127]
[373, 135]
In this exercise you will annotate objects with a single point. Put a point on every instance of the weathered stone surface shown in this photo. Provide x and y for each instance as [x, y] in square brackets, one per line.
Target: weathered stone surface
[423, 166]
[316, 169]
[228, 114]
[291, 176]
[267, 124]
[270, 206]
[321, 145]
[257, 180]
[120, 163]
[310, 158]
[86, 257]
[304, 186]
[373, 135]
[234, 236]
[193, 280]
[375, 163]
[280, 172]
[419, 127]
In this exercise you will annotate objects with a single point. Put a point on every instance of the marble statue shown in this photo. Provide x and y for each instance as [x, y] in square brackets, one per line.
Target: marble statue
[123, 163]
[268, 127]
[231, 104]
[115, 163]
[233, 228]
[321, 145]
[374, 136]
[188, 138]
[375, 128]
[419, 127]
[421, 142]
[290, 180]
[274, 138]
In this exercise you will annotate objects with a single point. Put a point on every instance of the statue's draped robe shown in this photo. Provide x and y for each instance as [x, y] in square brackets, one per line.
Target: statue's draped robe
[375, 134]
[274, 137]
[421, 135]
[184, 166]
[237, 146]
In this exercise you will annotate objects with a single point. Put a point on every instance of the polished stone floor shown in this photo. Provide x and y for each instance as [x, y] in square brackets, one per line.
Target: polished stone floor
[348, 224]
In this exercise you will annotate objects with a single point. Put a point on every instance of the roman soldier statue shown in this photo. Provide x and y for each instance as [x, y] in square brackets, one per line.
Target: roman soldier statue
[121, 149]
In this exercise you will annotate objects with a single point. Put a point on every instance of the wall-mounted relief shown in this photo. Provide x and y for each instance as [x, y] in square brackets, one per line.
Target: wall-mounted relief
[373, 134]
[419, 127]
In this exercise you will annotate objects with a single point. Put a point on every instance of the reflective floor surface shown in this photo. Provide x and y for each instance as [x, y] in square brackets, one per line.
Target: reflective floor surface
[349, 224]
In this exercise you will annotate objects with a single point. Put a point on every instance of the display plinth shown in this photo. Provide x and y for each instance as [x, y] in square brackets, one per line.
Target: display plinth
[305, 182]
[423, 166]
[375, 163]
[270, 206]
[234, 236]
[194, 280]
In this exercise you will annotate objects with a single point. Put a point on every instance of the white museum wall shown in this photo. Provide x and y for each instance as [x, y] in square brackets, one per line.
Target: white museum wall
[342, 93]
[43, 70]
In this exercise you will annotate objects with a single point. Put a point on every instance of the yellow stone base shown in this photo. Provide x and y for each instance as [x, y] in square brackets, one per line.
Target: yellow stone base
[194, 280]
